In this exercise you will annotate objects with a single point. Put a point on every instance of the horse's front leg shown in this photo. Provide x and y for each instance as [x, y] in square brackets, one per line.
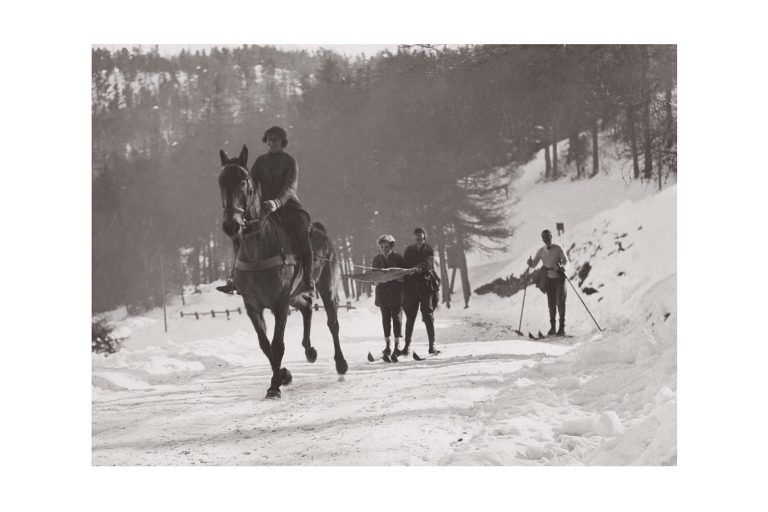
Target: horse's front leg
[257, 319]
[279, 377]
[333, 325]
[309, 350]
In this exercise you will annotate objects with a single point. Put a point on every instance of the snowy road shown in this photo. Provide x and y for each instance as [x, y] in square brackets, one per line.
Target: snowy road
[405, 413]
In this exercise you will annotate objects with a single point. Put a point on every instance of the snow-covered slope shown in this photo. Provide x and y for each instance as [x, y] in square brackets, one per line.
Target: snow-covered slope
[612, 399]
[543, 204]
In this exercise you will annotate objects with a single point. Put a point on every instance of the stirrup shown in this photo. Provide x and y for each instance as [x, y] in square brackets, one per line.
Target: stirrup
[229, 287]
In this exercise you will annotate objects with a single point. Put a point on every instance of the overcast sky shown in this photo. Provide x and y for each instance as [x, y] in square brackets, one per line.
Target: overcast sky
[345, 49]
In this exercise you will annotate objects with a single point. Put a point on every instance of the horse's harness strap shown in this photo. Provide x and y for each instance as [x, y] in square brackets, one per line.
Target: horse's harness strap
[274, 261]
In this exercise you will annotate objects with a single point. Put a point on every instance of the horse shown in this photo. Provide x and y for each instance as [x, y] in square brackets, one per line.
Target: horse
[267, 273]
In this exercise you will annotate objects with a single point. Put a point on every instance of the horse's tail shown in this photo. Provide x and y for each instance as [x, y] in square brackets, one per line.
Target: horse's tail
[319, 226]
[330, 276]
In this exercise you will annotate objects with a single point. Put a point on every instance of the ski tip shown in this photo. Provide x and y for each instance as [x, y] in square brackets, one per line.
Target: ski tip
[370, 357]
[416, 357]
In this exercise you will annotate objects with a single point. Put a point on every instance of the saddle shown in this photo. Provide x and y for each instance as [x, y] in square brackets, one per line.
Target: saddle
[278, 260]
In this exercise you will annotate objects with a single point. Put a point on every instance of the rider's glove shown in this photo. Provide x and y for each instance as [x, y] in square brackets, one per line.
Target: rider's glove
[271, 205]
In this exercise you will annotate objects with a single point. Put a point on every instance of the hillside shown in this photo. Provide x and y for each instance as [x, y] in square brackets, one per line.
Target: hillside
[541, 205]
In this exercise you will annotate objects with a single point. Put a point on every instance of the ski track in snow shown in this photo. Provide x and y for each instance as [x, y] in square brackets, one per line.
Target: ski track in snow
[410, 412]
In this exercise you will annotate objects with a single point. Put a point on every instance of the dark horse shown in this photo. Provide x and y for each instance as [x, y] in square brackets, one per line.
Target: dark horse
[267, 273]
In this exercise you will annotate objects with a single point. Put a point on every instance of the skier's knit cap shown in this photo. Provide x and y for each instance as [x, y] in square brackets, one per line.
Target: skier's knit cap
[386, 238]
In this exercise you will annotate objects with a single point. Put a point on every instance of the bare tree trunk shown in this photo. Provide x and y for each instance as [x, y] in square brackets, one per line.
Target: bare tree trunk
[215, 257]
[670, 134]
[548, 162]
[462, 261]
[446, 295]
[350, 268]
[595, 155]
[453, 278]
[633, 141]
[647, 142]
[343, 268]
[358, 284]
[647, 153]
[195, 265]
[207, 267]
[367, 286]
[555, 174]
[660, 178]
[574, 153]
[206, 262]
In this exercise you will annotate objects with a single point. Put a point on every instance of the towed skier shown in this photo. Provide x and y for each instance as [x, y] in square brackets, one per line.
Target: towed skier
[554, 261]
[419, 289]
[389, 294]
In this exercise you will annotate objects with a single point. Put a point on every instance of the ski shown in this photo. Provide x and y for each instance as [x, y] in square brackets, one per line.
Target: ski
[392, 358]
[417, 357]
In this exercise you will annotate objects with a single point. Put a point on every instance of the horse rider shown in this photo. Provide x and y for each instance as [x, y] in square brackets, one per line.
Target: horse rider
[276, 173]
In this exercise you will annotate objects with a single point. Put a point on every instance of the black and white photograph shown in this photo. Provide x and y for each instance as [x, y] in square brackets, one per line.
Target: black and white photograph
[375, 256]
[415, 254]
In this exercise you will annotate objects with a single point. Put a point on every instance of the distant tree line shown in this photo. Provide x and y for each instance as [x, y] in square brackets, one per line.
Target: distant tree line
[426, 136]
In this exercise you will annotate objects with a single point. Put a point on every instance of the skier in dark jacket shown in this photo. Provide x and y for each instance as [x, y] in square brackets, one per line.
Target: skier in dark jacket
[417, 293]
[389, 295]
[277, 174]
[554, 260]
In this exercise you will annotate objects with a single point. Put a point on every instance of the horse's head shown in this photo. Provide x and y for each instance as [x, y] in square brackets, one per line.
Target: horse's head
[239, 197]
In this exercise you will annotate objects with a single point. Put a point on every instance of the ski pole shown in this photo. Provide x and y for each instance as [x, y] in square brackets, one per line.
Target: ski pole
[522, 308]
[582, 301]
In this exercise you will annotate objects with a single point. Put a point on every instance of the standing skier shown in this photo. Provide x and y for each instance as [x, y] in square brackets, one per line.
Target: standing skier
[554, 260]
[389, 295]
[417, 291]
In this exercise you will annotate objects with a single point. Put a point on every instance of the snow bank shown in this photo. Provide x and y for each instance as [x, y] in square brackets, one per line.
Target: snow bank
[612, 399]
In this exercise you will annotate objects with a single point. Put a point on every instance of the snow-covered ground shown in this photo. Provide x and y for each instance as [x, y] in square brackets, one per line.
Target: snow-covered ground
[194, 395]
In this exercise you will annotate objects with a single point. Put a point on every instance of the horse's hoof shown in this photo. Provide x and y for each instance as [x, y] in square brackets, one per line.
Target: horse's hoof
[273, 394]
[286, 376]
[341, 367]
[311, 354]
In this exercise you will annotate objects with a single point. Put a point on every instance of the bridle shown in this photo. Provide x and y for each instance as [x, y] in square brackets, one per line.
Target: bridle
[250, 198]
